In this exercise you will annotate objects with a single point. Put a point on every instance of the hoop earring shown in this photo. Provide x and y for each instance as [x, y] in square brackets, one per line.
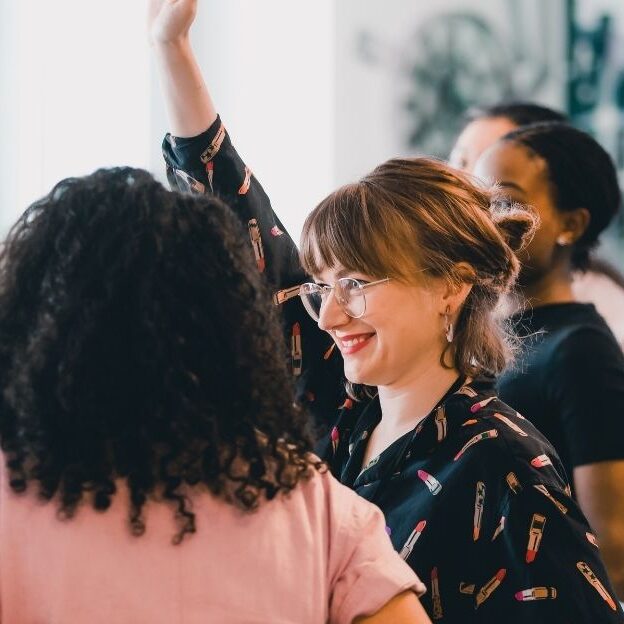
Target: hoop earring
[449, 330]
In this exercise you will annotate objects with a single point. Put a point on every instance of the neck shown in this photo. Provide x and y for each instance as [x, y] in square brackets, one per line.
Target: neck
[404, 405]
[554, 287]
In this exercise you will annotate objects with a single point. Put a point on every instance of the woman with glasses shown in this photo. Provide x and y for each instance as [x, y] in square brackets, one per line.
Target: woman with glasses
[407, 267]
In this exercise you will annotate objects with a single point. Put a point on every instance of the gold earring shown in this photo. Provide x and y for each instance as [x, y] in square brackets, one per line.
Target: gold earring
[563, 240]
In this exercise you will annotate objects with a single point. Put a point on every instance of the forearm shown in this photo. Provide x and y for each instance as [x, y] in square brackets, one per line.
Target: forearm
[190, 108]
[599, 493]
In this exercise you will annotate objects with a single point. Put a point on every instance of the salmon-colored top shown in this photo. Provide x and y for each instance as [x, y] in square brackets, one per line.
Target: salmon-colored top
[319, 555]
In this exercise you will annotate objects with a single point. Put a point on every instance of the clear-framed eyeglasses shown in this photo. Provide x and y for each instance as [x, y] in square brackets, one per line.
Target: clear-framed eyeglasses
[349, 294]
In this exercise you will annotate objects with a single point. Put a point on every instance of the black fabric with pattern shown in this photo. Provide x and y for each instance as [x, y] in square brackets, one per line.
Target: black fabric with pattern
[472, 461]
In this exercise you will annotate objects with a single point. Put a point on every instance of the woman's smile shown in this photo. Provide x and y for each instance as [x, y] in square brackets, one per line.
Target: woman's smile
[352, 343]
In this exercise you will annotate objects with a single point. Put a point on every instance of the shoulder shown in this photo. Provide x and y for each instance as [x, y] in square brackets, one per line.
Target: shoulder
[495, 439]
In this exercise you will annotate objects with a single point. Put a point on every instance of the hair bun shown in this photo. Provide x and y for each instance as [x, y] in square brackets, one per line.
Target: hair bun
[516, 222]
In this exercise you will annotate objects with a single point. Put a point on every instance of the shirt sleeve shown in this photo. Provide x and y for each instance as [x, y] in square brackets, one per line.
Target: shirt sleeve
[208, 163]
[365, 571]
[550, 566]
[586, 385]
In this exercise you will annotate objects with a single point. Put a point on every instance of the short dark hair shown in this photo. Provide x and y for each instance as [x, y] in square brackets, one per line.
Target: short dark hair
[581, 174]
[138, 343]
[519, 112]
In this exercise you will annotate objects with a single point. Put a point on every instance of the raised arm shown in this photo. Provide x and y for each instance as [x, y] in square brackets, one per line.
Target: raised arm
[189, 106]
[200, 158]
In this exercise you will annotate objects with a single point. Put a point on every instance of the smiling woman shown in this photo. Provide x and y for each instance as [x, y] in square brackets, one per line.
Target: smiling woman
[463, 480]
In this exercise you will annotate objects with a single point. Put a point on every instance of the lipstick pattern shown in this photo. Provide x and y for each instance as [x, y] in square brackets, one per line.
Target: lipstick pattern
[511, 425]
[436, 600]
[478, 510]
[540, 461]
[485, 435]
[441, 423]
[335, 438]
[536, 593]
[244, 187]
[256, 243]
[536, 531]
[215, 145]
[489, 588]
[592, 579]
[210, 174]
[430, 481]
[406, 551]
[296, 354]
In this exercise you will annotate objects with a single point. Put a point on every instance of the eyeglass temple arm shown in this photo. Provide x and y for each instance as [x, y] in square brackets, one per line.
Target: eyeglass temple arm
[284, 295]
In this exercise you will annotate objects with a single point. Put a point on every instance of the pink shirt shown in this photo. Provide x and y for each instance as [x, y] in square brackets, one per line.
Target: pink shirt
[319, 555]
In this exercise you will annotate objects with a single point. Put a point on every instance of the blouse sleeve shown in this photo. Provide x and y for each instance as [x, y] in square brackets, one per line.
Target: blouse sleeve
[365, 571]
[208, 163]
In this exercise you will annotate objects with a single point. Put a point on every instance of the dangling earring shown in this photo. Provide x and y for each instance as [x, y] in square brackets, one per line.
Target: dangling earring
[448, 326]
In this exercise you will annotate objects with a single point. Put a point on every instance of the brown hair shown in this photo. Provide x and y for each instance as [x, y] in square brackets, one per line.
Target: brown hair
[419, 214]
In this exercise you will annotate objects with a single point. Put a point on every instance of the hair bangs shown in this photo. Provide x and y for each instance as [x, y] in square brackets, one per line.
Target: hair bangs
[339, 232]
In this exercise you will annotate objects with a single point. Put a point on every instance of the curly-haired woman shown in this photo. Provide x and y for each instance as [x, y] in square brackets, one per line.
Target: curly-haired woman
[145, 411]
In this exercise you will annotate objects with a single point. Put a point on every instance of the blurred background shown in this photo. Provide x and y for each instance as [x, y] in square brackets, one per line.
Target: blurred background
[314, 93]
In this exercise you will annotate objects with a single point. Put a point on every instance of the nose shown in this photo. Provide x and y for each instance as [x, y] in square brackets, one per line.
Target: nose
[332, 315]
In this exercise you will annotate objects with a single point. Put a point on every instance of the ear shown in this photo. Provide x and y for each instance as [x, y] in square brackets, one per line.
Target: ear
[573, 225]
[456, 292]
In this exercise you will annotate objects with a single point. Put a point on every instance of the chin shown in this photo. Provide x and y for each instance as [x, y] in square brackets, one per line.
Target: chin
[361, 377]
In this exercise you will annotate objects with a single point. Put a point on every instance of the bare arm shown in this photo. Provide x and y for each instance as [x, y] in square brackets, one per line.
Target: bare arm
[402, 609]
[189, 105]
[600, 494]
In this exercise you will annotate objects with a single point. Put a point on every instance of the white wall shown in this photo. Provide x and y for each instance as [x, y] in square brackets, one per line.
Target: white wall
[75, 85]
[78, 92]
[270, 67]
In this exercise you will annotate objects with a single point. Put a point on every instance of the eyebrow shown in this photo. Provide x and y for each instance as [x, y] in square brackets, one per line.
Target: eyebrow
[342, 273]
[513, 185]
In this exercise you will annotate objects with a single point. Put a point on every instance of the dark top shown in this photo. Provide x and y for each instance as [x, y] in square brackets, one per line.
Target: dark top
[476, 501]
[475, 498]
[569, 381]
[209, 163]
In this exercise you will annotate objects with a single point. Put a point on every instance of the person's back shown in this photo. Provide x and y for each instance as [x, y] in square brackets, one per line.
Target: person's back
[299, 558]
[154, 466]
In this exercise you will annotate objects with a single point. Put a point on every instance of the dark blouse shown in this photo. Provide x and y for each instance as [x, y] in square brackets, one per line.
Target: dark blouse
[477, 502]
[475, 498]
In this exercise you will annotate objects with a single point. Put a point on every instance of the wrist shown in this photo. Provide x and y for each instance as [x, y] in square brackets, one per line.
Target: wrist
[180, 42]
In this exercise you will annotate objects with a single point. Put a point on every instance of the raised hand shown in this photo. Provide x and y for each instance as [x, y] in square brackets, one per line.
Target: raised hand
[170, 20]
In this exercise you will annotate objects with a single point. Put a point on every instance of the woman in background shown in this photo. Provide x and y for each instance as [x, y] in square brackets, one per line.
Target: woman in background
[569, 380]
[153, 466]
[599, 282]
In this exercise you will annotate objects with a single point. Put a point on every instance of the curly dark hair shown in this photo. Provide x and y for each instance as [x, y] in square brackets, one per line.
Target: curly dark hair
[138, 343]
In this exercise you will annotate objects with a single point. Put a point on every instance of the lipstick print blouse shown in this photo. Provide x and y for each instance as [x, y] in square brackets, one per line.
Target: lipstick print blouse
[476, 500]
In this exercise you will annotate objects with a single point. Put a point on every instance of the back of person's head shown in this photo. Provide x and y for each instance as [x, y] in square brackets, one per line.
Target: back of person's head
[521, 113]
[581, 175]
[138, 343]
[418, 216]
[485, 125]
